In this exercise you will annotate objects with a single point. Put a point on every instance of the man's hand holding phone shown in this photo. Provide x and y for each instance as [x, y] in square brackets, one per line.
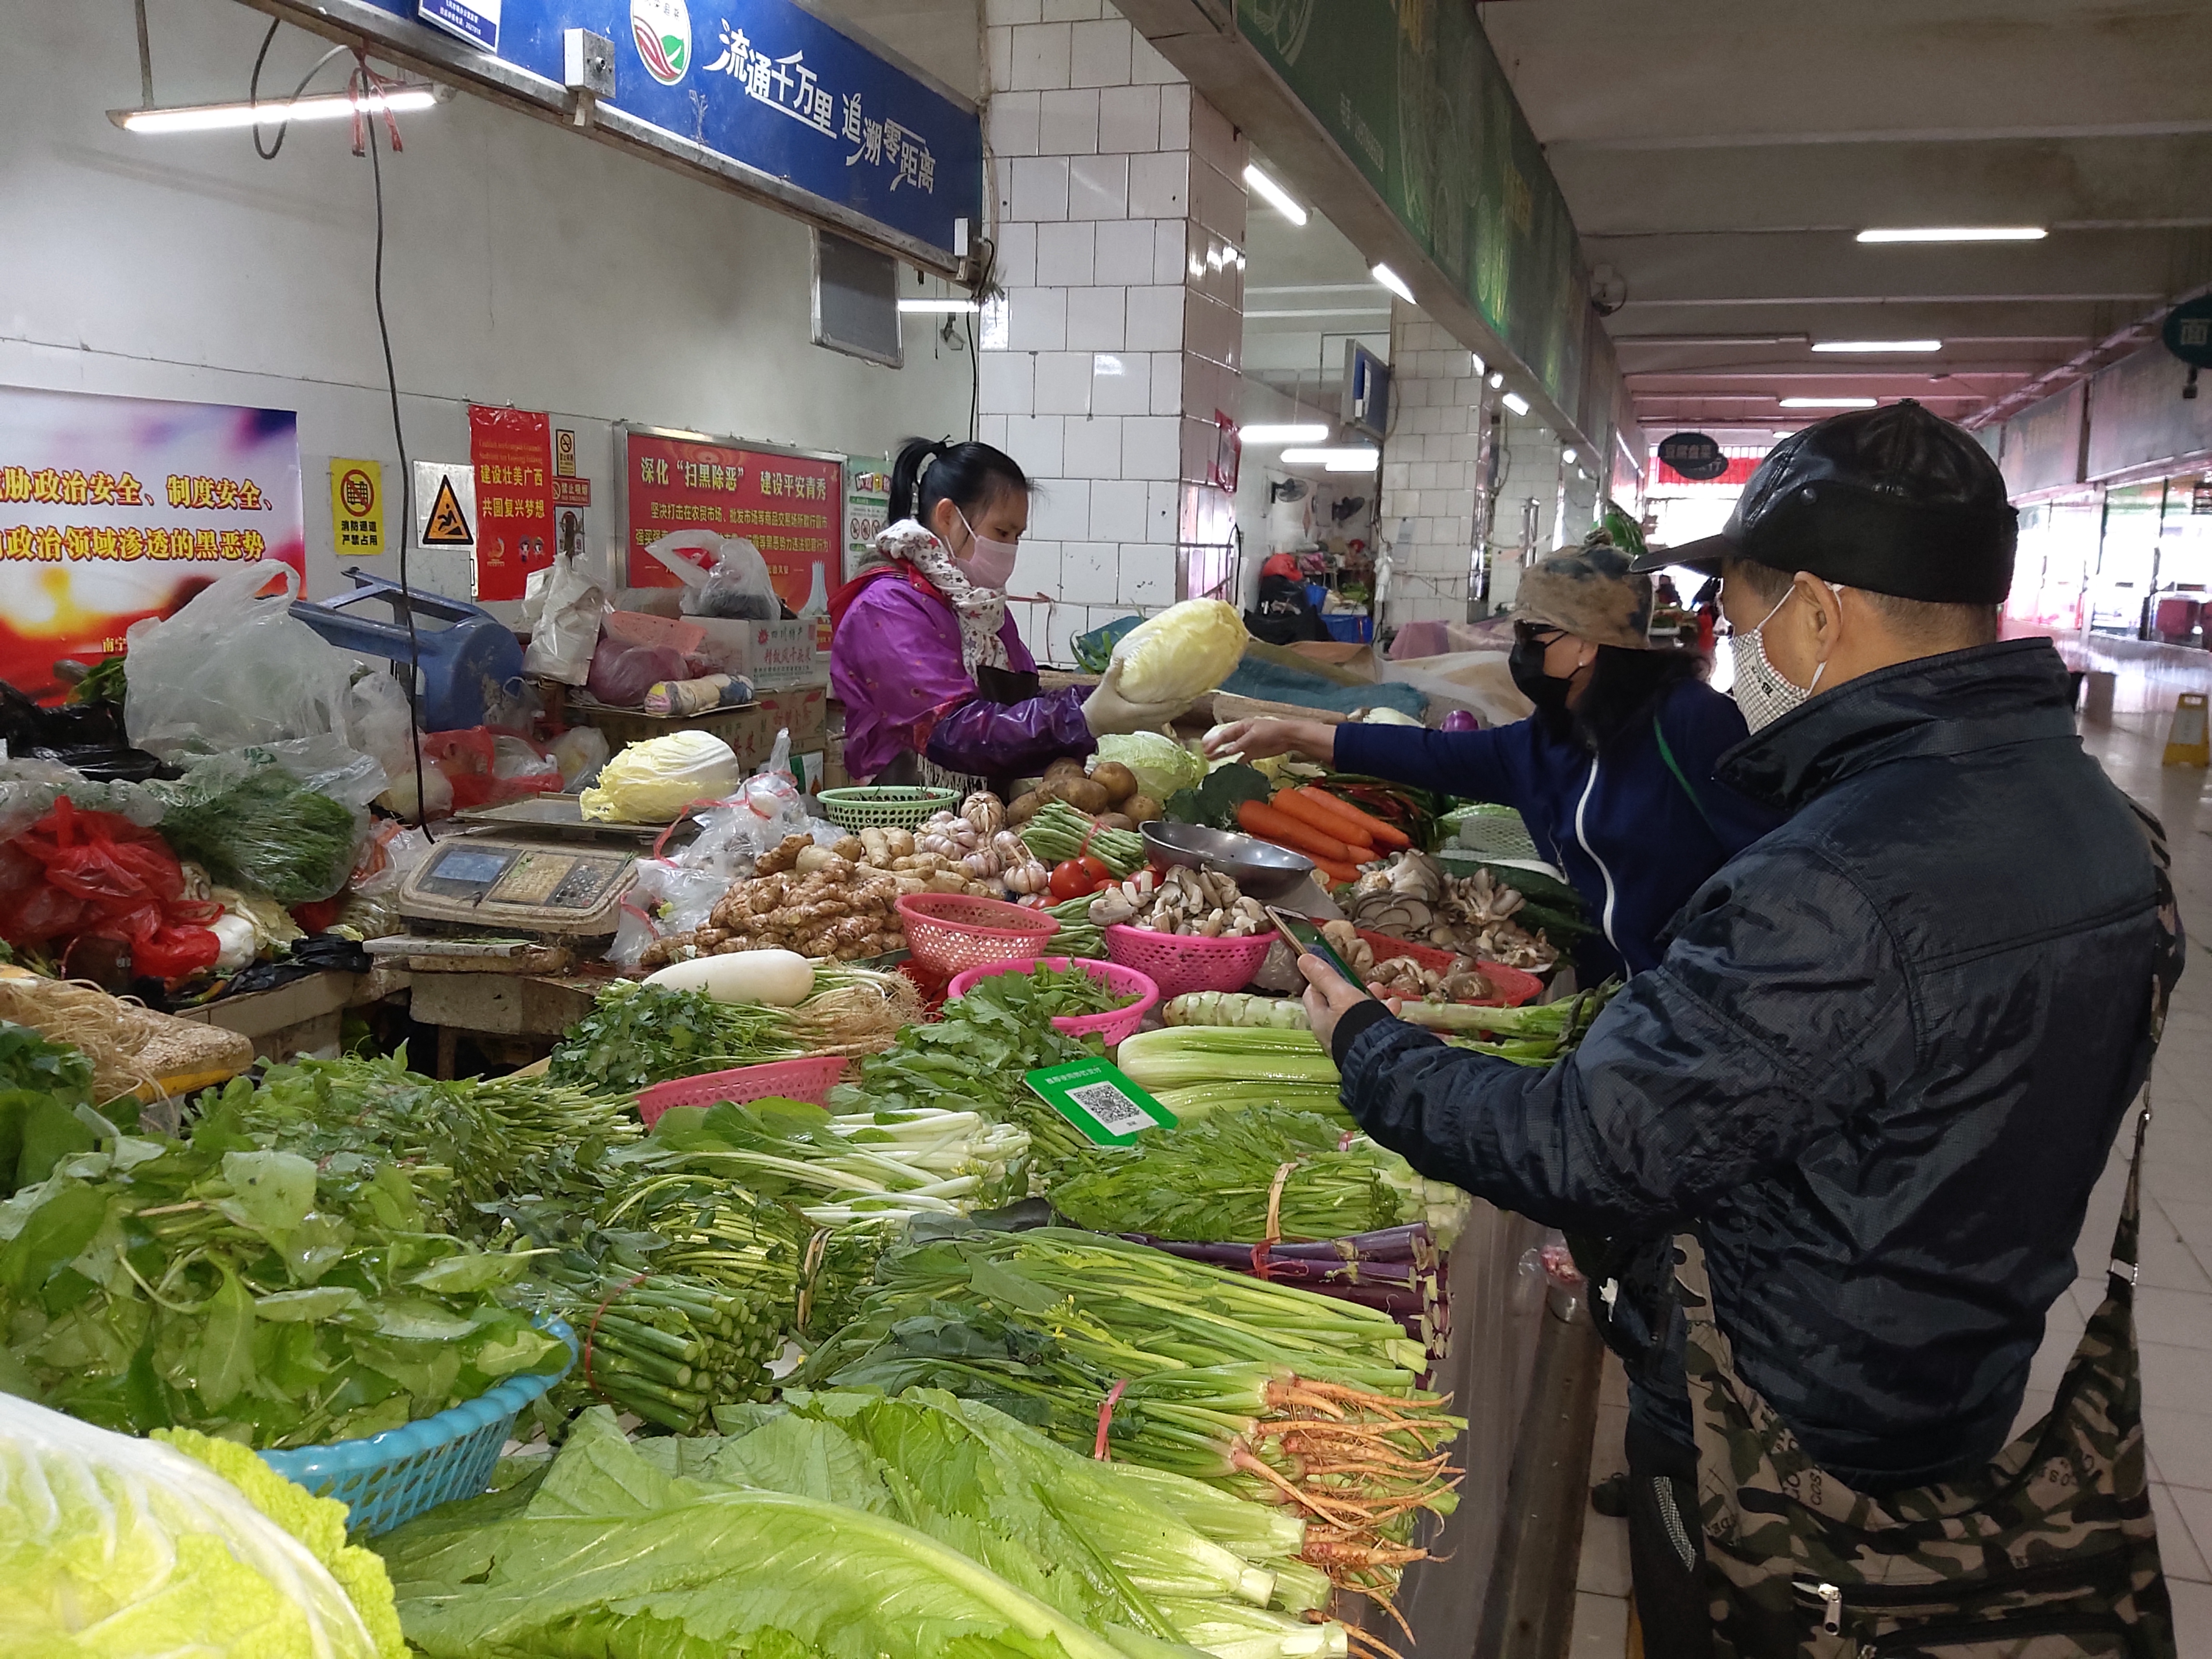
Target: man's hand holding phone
[1329, 996]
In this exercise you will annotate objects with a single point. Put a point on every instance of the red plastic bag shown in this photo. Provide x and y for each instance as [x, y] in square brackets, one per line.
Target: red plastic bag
[73, 873]
[487, 768]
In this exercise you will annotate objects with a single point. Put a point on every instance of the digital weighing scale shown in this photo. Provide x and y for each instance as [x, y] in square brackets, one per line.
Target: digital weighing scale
[536, 868]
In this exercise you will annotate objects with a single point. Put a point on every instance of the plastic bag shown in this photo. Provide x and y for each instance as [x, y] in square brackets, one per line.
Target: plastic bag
[484, 768]
[1187, 649]
[654, 782]
[581, 750]
[233, 667]
[156, 1552]
[621, 674]
[29, 787]
[722, 576]
[391, 853]
[561, 608]
[697, 696]
[258, 826]
[75, 873]
[667, 896]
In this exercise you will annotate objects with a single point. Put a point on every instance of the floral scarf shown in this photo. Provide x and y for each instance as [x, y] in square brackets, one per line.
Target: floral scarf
[982, 611]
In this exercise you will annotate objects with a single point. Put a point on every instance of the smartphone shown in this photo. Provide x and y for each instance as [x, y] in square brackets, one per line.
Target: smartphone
[1302, 936]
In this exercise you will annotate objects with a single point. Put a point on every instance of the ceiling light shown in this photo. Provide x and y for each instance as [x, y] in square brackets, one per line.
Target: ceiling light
[271, 112]
[1877, 345]
[1335, 460]
[1479, 364]
[1276, 197]
[1391, 280]
[1830, 403]
[939, 308]
[1568, 456]
[1517, 403]
[1497, 380]
[1959, 234]
[1293, 434]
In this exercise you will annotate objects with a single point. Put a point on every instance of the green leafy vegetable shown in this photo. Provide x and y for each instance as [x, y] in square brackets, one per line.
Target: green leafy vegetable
[253, 826]
[1214, 802]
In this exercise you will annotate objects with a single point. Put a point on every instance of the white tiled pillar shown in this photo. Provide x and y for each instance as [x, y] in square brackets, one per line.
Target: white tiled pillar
[1118, 198]
[1431, 467]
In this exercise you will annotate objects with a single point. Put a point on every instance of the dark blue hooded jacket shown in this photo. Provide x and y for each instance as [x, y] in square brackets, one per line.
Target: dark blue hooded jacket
[1632, 838]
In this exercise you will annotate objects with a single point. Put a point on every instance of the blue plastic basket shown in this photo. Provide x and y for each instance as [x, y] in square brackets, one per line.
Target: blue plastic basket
[385, 1478]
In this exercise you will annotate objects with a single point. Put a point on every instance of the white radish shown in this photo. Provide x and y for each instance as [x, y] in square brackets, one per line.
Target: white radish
[779, 979]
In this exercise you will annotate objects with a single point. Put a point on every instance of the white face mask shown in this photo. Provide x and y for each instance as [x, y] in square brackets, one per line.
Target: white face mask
[1760, 691]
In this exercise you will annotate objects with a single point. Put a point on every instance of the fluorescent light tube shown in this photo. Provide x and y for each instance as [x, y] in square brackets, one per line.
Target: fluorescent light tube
[1391, 280]
[1334, 460]
[1293, 434]
[948, 307]
[1497, 380]
[1830, 403]
[1958, 234]
[1857, 346]
[322, 106]
[1276, 196]
[1515, 402]
[1476, 357]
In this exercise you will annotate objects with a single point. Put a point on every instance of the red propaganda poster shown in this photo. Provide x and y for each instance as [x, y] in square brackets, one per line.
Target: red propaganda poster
[787, 506]
[512, 450]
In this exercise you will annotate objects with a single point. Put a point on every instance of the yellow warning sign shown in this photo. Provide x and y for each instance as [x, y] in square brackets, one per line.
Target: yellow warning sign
[2187, 741]
[357, 507]
[447, 525]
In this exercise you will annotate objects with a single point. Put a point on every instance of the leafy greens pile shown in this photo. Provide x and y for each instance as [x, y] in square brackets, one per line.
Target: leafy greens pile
[255, 827]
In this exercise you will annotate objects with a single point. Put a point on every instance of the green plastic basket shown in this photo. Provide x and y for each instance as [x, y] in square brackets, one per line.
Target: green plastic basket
[891, 806]
[1493, 831]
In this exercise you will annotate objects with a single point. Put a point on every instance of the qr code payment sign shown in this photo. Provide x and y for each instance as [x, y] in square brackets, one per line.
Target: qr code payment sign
[1116, 1112]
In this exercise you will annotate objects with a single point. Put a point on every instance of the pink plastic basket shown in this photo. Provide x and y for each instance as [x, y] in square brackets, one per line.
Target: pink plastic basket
[947, 933]
[1177, 963]
[1513, 986]
[1110, 1027]
[791, 1080]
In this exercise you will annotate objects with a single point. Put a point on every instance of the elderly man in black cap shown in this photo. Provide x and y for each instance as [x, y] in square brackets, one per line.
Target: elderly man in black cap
[1881, 1065]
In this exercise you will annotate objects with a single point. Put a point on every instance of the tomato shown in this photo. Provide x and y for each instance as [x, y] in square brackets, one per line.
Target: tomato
[1097, 870]
[1070, 879]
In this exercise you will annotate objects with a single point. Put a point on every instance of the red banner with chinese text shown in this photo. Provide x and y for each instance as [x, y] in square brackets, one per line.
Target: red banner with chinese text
[512, 450]
[789, 506]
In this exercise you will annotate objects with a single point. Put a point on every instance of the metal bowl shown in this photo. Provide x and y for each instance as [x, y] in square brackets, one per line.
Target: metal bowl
[1260, 869]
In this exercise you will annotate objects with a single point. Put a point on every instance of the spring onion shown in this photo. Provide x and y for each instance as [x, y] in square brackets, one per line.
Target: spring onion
[1178, 1055]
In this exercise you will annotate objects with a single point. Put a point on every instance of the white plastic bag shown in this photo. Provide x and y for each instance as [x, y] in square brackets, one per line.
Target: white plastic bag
[233, 667]
[581, 750]
[666, 898]
[561, 611]
[654, 782]
[722, 576]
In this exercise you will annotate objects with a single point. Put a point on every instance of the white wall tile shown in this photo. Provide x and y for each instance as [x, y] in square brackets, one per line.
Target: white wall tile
[1212, 136]
[1087, 573]
[1060, 628]
[1125, 251]
[1067, 122]
[1095, 318]
[1100, 53]
[1163, 511]
[1060, 509]
[1018, 242]
[1036, 568]
[991, 430]
[1175, 116]
[1122, 384]
[1064, 254]
[1094, 448]
[1117, 510]
[1011, 11]
[1130, 119]
[1063, 382]
[1005, 382]
[1098, 186]
[1040, 55]
[1037, 441]
[1167, 383]
[1040, 184]
[1014, 122]
[1155, 319]
[1148, 68]
[1147, 575]
[1150, 446]
[1158, 185]
[1170, 238]
[1196, 443]
[1036, 319]
[998, 50]
[1217, 200]
[1210, 329]
[1073, 11]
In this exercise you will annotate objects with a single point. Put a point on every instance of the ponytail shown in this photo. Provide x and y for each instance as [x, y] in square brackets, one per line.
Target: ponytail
[971, 475]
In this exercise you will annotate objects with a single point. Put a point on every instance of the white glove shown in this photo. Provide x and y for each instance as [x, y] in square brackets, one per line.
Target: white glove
[1108, 712]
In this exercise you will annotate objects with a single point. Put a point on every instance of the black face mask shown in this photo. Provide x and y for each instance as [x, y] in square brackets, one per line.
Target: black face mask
[1526, 664]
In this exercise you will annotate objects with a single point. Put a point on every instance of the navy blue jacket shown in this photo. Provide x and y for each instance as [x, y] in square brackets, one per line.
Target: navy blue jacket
[1877, 1070]
[1630, 838]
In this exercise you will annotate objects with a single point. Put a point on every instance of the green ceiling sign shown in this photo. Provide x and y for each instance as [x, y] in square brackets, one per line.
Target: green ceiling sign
[1413, 95]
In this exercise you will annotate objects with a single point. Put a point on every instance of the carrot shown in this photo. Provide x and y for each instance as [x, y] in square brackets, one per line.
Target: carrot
[1355, 821]
[1338, 875]
[1264, 821]
[1317, 818]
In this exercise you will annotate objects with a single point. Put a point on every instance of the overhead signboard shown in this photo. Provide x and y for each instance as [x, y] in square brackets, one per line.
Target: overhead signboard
[764, 83]
[1694, 455]
[2188, 331]
[789, 504]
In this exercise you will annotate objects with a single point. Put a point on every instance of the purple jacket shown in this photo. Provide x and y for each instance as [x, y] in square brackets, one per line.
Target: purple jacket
[895, 664]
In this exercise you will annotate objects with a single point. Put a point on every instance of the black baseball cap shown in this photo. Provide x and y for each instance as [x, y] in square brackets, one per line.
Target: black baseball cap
[1892, 500]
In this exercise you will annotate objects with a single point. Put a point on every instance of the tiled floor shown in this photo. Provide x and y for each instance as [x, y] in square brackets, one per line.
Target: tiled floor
[2173, 1299]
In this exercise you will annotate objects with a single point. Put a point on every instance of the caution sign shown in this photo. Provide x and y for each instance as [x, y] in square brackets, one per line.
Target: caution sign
[357, 507]
[445, 504]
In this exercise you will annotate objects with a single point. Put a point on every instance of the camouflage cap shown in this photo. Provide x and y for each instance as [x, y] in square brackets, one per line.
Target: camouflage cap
[1591, 592]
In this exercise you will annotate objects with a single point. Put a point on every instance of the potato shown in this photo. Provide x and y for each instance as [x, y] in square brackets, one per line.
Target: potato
[1065, 767]
[1114, 821]
[1024, 807]
[1086, 796]
[1118, 780]
[1142, 809]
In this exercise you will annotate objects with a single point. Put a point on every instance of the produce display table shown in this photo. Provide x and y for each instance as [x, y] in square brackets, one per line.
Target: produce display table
[301, 1017]
[531, 1007]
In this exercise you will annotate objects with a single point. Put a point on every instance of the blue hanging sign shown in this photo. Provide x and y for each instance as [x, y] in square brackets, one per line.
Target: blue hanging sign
[1695, 456]
[476, 22]
[767, 84]
[2188, 331]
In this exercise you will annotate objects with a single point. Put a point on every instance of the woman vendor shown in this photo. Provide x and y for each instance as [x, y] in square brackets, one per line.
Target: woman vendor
[922, 654]
[1612, 773]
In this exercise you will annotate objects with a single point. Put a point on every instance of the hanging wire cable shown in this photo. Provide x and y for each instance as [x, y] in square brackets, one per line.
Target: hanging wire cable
[253, 88]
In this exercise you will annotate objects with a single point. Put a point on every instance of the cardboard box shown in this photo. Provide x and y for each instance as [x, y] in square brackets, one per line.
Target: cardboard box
[770, 654]
[798, 711]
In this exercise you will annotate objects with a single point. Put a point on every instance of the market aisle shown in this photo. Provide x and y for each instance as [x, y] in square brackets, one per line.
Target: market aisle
[2173, 1304]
